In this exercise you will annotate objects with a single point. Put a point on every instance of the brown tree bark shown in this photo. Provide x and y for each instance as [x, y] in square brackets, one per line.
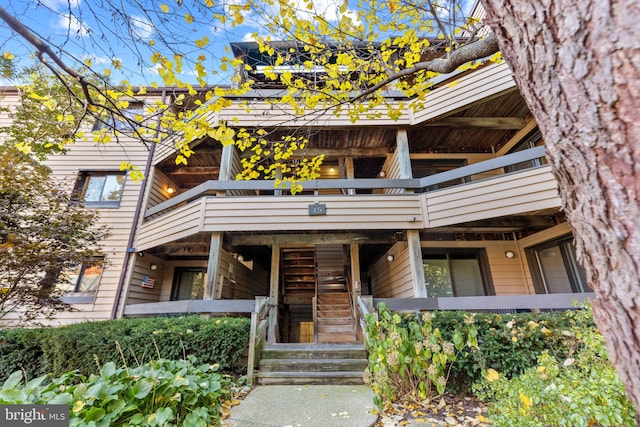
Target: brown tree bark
[577, 64]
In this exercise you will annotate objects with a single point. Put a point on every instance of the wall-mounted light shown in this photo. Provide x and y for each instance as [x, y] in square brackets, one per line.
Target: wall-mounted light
[382, 174]
[390, 258]
[171, 190]
[509, 254]
[153, 267]
[332, 170]
[240, 257]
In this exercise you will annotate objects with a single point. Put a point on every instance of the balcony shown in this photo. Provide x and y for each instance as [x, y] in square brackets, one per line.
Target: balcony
[402, 204]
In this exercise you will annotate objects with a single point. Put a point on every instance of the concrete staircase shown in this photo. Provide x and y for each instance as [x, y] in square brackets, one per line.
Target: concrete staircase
[335, 321]
[312, 364]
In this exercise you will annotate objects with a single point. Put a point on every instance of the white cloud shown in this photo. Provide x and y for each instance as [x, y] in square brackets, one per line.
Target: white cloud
[59, 5]
[141, 27]
[73, 25]
[249, 37]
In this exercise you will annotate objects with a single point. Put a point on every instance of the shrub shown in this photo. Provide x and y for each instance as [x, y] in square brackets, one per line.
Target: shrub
[157, 393]
[581, 390]
[409, 357]
[132, 341]
[509, 343]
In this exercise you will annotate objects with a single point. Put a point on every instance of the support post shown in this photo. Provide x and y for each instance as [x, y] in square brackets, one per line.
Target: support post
[215, 251]
[403, 158]
[417, 270]
[273, 293]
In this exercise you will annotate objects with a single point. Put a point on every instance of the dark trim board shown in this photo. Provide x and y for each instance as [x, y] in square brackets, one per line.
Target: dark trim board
[500, 302]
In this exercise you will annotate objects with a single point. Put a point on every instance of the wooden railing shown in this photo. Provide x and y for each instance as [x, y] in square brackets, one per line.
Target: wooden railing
[214, 187]
[257, 335]
[365, 307]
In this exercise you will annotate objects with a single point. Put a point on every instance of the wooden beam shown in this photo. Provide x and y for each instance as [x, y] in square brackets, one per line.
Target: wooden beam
[515, 139]
[194, 170]
[302, 239]
[213, 265]
[274, 285]
[417, 269]
[494, 123]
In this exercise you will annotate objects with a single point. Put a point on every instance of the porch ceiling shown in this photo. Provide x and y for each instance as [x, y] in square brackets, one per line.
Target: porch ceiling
[203, 165]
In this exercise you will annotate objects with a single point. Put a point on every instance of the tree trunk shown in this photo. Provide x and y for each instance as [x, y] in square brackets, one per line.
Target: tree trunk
[577, 64]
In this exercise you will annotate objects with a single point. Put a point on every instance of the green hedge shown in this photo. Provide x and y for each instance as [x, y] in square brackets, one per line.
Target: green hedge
[508, 343]
[81, 346]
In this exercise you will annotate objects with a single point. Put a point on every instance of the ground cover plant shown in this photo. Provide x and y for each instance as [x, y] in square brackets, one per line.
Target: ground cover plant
[158, 393]
[79, 347]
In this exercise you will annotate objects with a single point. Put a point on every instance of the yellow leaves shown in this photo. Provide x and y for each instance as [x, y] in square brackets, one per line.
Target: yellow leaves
[164, 8]
[204, 41]
[88, 62]
[188, 18]
[492, 375]
[23, 147]
[8, 55]
[526, 402]
[78, 406]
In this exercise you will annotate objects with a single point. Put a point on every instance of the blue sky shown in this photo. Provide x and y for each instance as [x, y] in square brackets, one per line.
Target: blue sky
[103, 30]
[81, 29]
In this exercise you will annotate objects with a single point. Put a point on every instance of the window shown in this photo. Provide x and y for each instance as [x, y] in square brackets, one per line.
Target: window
[100, 189]
[188, 283]
[532, 140]
[455, 273]
[135, 109]
[84, 278]
[554, 268]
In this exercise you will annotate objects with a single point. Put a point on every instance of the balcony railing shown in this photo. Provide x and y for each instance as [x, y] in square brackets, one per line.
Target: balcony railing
[418, 185]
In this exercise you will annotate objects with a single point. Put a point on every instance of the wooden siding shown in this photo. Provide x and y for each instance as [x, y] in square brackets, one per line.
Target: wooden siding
[292, 213]
[135, 293]
[392, 279]
[181, 222]
[486, 82]
[244, 283]
[517, 193]
[87, 156]
[157, 192]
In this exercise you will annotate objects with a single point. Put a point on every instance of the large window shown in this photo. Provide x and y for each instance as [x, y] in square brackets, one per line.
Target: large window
[456, 273]
[555, 269]
[188, 283]
[100, 189]
[84, 278]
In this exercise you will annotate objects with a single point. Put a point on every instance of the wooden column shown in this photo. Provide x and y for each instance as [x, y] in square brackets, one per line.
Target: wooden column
[273, 293]
[402, 150]
[215, 251]
[417, 270]
[354, 254]
[226, 164]
[348, 162]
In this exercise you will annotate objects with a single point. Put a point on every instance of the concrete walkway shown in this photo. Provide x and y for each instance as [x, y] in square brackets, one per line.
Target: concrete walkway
[305, 406]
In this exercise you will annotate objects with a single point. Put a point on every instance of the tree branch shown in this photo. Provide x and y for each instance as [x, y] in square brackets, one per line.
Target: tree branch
[484, 47]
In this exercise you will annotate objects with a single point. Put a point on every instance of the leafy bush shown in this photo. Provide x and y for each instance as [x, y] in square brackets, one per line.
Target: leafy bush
[158, 393]
[409, 357]
[509, 343]
[132, 341]
[580, 390]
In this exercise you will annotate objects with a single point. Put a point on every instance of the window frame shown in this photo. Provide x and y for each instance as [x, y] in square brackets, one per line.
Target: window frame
[483, 265]
[77, 296]
[577, 281]
[82, 183]
[177, 273]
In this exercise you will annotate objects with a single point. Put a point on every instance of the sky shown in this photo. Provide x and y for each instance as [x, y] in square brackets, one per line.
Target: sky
[102, 30]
